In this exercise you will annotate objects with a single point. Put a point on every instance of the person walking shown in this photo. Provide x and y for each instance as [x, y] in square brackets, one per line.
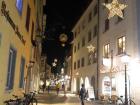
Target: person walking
[57, 88]
[43, 87]
[82, 94]
[64, 89]
[48, 88]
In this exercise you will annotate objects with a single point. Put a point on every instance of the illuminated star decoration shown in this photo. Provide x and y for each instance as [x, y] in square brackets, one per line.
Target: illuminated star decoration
[115, 8]
[91, 48]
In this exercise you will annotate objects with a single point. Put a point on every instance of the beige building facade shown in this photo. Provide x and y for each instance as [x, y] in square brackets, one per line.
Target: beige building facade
[116, 37]
[119, 36]
[84, 63]
[17, 30]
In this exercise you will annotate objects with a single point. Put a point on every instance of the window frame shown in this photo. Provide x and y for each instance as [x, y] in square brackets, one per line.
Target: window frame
[121, 48]
[11, 68]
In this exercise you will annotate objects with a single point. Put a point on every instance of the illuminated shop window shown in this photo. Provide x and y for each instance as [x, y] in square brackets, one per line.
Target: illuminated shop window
[19, 5]
[106, 51]
[121, 45]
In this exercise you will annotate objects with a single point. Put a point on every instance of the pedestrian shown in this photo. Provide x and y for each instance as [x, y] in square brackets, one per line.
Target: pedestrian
[82, 94]
[63, 88]
[43, 87]
[57, 88]
[48, 88]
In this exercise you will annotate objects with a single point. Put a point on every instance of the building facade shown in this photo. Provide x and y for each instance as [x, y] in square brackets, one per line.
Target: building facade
[117, 37]
[17, 30]
[84, 63]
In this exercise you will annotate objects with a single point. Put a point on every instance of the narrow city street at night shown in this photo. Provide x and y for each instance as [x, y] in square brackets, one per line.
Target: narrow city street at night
[69, 52]
[69, 99]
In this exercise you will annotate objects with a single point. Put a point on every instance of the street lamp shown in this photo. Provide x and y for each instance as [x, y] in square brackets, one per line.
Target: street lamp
[125, 59]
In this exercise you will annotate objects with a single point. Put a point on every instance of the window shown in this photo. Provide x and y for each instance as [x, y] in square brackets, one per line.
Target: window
[11, 69]
[89, 36]
[89, 17]
[95, 9]
[78, 64]
[22, 65]
[75, 34]
[106, 51]
[74, 65]
[89, 58]
[106, 24]
[19, 6]
[95, 31]
[119, 19]
[74, 48]
[94, 56]
[82, 62]
[106, 1]
[78, 30]
[83, 24]
[28, 17]
[78, 46]
[121, 45]
[83, 41]
[32, 31]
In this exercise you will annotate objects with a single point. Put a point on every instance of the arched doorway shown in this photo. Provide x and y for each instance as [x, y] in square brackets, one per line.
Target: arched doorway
[93, 81]
[106, 88]
[74, 85]
[87, 85]
[81, 81]
[78, 84]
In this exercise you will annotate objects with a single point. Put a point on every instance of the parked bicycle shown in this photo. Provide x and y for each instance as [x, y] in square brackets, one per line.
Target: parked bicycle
[29, 99]
[121, 101]
[16, 101]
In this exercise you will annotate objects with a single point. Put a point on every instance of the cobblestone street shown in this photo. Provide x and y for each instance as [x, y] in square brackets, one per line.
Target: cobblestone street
[53, 99]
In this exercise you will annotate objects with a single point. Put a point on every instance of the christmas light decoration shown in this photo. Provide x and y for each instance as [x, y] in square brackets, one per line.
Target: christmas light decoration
[115, 8]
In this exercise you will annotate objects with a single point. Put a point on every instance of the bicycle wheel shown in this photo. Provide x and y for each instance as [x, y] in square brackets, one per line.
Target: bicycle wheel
[131, 102]
[34, 101]
[119, 102]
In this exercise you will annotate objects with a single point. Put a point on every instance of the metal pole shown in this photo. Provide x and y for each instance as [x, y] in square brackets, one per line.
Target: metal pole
[126, 101]
[111, 71]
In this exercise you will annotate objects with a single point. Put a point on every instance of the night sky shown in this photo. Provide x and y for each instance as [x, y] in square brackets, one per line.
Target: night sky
[61, 17]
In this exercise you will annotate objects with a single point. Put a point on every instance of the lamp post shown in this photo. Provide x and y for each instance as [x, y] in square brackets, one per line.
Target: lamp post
[125, 59]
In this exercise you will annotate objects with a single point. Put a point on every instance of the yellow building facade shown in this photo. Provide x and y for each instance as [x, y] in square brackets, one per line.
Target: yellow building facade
[17, 22]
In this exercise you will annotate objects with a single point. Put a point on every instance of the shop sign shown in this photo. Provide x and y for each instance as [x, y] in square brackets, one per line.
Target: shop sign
[9, 19]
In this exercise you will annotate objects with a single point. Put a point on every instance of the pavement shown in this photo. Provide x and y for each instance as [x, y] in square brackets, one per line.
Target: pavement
[69, 99]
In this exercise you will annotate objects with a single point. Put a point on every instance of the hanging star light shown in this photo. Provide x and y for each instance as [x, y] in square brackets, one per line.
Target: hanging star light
[91, 48]
[115, 8]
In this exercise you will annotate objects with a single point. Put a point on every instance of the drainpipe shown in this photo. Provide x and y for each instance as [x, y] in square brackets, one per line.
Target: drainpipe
[98, 71]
